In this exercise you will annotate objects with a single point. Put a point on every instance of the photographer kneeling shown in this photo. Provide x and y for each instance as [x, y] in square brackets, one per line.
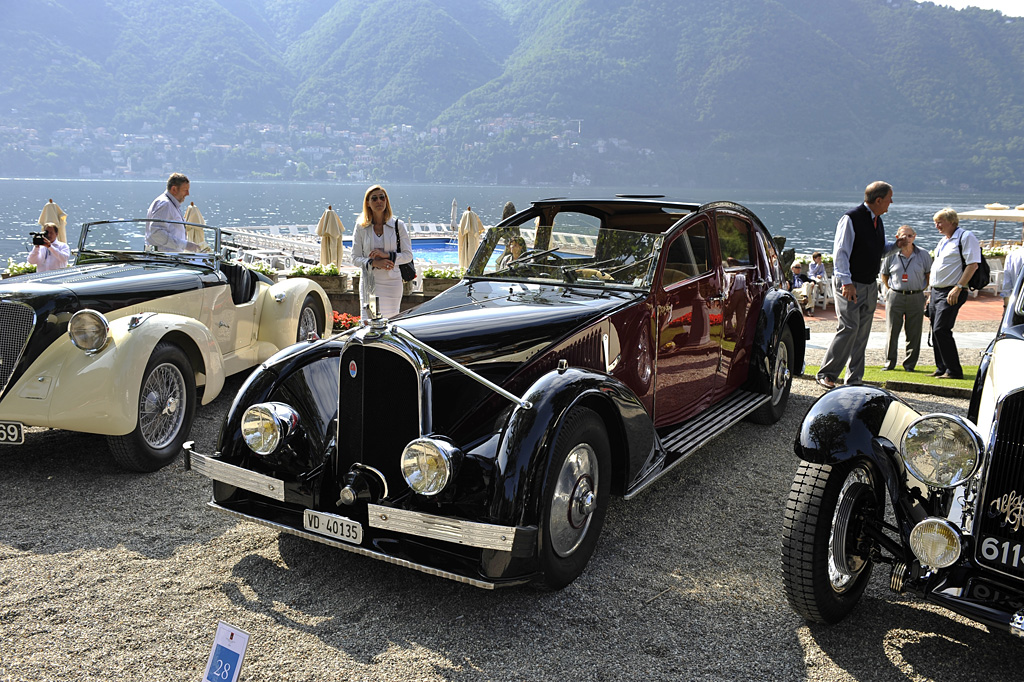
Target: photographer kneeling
[47, 253]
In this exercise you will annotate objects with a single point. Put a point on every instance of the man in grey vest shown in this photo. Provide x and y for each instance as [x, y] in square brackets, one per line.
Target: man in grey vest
[857, 256]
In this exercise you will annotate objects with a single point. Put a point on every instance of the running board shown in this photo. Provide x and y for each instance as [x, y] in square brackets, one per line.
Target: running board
[692, 434]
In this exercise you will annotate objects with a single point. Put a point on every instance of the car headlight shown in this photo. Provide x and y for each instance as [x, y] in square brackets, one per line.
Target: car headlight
[428, 465]
[935, 543]
[88, 330]
[941, 450]
[265, 425]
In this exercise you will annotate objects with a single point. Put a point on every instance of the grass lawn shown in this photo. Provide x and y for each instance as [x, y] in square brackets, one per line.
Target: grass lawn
[874, 374]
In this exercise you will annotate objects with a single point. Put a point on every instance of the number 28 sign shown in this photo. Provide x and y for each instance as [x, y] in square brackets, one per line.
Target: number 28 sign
[226, 656]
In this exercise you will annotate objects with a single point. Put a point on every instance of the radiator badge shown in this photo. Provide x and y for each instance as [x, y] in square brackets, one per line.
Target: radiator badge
[1011, 506]
[352, 370]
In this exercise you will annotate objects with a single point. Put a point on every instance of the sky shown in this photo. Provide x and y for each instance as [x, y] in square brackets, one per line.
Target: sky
[1012, 8]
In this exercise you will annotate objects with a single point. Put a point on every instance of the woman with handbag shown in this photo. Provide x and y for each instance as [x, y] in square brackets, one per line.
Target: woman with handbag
[380, 244]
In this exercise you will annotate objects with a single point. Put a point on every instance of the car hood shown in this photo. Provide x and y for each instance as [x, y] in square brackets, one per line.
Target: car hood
[102, 287]
[487, 321]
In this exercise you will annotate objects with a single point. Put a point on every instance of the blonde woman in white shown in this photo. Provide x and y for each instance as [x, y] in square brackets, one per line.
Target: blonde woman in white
[380, 243]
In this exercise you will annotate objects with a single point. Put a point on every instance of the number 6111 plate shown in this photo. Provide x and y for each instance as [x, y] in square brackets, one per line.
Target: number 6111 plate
[333, 526]
[11, 433]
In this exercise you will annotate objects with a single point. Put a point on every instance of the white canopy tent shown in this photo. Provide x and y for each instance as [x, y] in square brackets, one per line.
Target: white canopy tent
[996, 215]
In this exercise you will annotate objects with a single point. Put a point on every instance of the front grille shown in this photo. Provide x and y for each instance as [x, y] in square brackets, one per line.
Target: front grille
[378, 412]
[16, 322]
[1000, 530]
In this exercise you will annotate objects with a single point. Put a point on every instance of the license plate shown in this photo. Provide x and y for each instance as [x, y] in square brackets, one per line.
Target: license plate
[11, 433]
[337, 527]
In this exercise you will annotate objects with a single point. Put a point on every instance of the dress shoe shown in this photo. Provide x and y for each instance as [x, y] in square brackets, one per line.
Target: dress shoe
[947, 375]
[937, 373]
[825, 383]
[888, 369]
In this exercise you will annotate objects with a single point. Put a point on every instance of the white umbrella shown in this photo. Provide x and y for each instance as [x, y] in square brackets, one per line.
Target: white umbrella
[1014, 215]
[331, 232]
[455, 216]
[192, 232]
[52, 213]
[470, 229]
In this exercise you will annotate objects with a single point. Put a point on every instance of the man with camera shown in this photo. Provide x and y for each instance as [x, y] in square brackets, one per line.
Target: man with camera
[47, 253]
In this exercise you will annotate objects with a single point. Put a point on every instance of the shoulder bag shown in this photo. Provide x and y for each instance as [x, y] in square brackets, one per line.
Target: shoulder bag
[408, 269]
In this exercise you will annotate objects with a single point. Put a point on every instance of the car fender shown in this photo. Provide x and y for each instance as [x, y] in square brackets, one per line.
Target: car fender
[99, 392]
[779, 310]
[522, 454]
[279, 315]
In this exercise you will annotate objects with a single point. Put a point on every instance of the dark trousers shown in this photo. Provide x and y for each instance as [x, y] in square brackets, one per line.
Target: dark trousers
[943, 317]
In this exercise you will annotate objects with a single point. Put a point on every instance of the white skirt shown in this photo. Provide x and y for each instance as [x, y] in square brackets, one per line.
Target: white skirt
[387, 290]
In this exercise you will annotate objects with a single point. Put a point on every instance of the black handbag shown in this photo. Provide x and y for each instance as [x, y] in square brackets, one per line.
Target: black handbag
[408, 270]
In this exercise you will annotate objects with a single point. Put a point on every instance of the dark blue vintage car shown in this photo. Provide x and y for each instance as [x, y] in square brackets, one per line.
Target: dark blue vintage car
[480, 436]
[955, 486]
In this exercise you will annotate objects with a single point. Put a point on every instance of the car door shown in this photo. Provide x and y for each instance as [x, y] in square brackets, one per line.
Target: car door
[742, 293]
[689, 297]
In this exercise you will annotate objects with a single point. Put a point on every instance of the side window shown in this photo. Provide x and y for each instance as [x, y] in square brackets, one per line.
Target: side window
[771, 255]
[688, 256]
[734, 240]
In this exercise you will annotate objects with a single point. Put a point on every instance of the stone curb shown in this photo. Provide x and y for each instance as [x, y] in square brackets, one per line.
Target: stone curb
[911, 387]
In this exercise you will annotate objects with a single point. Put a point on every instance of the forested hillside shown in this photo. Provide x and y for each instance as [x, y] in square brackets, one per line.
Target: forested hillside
[736, 92]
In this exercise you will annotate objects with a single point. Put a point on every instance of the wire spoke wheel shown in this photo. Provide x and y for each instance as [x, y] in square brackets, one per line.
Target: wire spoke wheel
[161, 411]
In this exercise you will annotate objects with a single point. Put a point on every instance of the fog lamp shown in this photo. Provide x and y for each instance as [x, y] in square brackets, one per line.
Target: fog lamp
[88, 330]
[941, 450]
[428, 465]
[265, 425]
[936, 543]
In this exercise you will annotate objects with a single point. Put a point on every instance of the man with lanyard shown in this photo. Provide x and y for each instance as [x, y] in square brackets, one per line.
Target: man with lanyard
[857, 256]
[905, 274]
[950, 275]
[170, 235]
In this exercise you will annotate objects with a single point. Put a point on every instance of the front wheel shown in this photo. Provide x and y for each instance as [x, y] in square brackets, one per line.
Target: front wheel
[780, 381]
[166, 407]
[309, 319]
[576, 492]
[826, 555]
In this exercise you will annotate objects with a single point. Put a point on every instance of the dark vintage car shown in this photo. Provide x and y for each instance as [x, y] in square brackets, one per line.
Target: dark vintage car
[480, 436]
[955, 487]
[127, 340]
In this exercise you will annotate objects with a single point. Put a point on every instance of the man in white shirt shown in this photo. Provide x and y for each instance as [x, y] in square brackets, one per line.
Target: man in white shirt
[1012, 267]
[51, 254]
[169, 236]
[956, 258]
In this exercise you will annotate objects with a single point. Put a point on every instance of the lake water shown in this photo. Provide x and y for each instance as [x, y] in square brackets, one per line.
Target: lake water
[807, 220]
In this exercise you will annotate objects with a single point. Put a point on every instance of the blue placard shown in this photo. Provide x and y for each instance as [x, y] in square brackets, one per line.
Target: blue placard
[224, 665]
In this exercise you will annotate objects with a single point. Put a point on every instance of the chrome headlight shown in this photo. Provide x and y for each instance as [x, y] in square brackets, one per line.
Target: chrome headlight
[428, 465]
[265, 425]
[941, 450]
[89, 330]
[935, 543]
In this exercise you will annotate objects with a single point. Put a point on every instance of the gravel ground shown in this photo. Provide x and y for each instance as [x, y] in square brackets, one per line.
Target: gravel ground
[107, 575]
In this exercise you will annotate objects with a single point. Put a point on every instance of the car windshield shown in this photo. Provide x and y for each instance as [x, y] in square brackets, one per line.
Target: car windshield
[129, 236]
[588, 256]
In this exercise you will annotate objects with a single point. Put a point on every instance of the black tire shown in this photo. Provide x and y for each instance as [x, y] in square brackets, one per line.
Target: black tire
[780, 382]
[826, 561]
[575, 497]
[166, 408]
[311, 318]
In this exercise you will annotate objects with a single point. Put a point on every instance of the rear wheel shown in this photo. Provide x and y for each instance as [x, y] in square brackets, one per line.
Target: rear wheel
[576, 492]
[826, 555]
[780, 381]
[166, 407]
[310, 319]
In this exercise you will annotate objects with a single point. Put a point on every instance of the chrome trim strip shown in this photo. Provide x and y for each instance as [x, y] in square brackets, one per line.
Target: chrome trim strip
[470, 533]
[401, 333]
[237, 476]
[356, 549]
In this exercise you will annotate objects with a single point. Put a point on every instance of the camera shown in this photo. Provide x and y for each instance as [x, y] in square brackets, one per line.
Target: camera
[38, 238]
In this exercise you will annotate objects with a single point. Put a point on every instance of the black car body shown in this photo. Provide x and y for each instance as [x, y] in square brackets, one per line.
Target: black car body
[479, 436]
[955, 487]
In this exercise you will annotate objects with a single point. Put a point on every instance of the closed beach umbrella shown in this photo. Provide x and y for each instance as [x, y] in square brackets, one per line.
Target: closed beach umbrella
[192, 232]
[455, 216]
[470, 229]
[52, 213]
[995, 214]
[331, 232]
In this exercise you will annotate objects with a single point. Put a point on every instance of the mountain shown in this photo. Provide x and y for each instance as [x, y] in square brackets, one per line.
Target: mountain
[737, 92]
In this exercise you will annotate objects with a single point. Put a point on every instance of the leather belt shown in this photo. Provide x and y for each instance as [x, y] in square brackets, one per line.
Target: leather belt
[908, 293]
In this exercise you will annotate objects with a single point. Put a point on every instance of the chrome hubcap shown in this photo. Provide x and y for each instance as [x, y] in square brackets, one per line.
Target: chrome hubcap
[781, 374]
[843, 567]
[573, 500]
[307, 323]
[160, 413]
